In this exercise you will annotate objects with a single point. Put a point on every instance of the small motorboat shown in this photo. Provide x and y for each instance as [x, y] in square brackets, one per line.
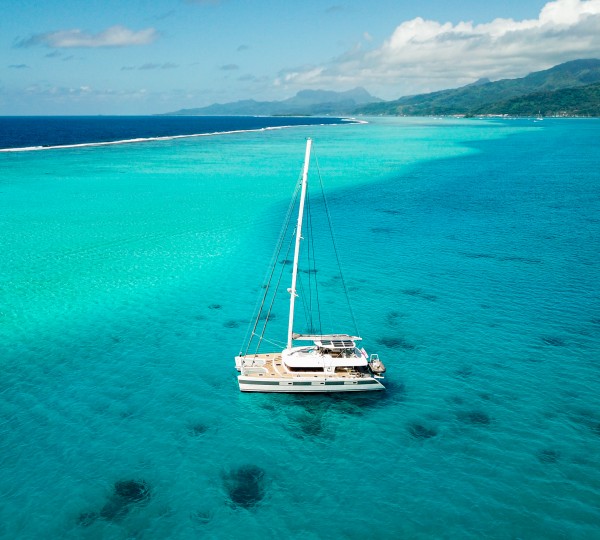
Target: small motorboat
[376, 365]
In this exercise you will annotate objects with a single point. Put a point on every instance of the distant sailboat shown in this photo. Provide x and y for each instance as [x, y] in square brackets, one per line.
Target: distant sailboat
[329, 363]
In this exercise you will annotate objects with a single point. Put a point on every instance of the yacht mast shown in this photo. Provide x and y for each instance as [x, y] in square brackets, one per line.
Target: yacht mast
[292, 289]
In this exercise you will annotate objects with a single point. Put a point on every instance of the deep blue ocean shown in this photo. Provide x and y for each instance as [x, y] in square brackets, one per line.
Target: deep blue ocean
[130, 272]
[48, 131]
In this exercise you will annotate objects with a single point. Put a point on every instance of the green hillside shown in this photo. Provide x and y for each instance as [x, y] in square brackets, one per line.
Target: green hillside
[578, 101]
[483, 98]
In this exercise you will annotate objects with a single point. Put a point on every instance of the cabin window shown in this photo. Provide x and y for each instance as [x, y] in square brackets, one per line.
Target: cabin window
[306, 369]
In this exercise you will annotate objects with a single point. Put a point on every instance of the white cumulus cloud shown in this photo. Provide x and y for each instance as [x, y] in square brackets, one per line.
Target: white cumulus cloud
[424, 55]
[115, 36]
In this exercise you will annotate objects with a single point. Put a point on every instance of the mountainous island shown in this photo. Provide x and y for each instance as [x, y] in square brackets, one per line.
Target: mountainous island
[304, 103]
[568, 89]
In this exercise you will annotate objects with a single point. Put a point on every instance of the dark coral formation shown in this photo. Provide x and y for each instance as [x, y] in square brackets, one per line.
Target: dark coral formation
[478, 255]
[474, 418]
[392, 317]
[87, 518]
[464, 372]
[245, 485]
[548, 455]
[555, 341]
[420, 294]
[311, 424]
[307, 419]
[420, 432]
[201, 516]
[132, 491]
[515, 258]
[126, 494]
[394, 342]
[197, 429]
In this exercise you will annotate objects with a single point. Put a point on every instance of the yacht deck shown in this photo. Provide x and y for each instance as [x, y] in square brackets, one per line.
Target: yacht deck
[272, 367]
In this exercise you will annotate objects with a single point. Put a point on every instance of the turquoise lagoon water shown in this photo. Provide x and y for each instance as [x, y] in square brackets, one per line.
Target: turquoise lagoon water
[129, 274]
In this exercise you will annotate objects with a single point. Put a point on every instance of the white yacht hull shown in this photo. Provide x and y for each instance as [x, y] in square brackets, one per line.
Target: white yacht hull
[306, 385]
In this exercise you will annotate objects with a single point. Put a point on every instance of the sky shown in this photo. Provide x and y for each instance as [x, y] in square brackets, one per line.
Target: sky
[77, 57]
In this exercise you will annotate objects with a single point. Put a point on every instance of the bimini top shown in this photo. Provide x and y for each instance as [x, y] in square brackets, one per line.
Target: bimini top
[329, 341]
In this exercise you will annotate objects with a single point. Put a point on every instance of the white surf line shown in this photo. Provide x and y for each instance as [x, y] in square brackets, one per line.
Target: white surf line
[168, 137]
